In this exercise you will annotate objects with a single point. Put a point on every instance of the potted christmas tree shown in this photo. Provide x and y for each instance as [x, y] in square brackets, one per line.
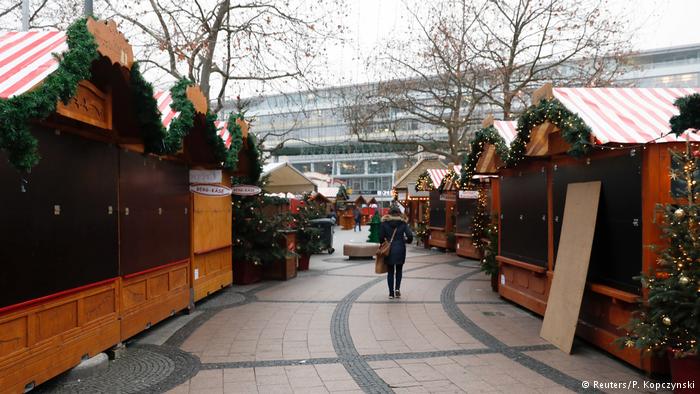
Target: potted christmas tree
[669, 320]
[374, 227]
[308, 236]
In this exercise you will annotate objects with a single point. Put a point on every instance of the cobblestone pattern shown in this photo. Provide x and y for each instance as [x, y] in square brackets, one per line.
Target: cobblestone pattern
[149, 368]
[514, 353]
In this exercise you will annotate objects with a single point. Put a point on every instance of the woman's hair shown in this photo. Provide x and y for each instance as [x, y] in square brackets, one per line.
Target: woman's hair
[394, 211]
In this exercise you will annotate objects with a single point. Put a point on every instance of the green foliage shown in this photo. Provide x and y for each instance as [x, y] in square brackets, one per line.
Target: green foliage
[689, 117]
[487, 135]
[181, 125]
[147, 114]
[374, 225]
[488, 264]
[342, 194]
[424, 183]
[450, 179]
[16, 112]
[671, 316]
[308, 236]
[573, 129]
[256, 238]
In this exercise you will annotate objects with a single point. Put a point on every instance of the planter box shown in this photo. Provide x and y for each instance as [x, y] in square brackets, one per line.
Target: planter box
[287, 268]
[245, 272]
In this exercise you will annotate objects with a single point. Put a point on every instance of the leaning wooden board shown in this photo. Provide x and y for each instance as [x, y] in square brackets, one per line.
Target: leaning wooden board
[573, 256]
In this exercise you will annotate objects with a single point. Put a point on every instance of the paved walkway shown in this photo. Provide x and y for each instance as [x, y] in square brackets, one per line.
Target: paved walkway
[333, 329]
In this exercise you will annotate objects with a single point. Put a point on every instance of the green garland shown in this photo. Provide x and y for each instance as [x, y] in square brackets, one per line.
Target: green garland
[147, 113]
[689, 117]
[180, 126]
[16, 112]
[424, 183]
[254, 153]
[487, 135]
[452, 177]
[255, 157]
[573, 129]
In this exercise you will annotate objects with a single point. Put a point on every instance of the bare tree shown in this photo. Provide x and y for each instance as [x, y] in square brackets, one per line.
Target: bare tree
[465, 59]
[216, 42]
[434, 84]
[42, 14]
[530, 42]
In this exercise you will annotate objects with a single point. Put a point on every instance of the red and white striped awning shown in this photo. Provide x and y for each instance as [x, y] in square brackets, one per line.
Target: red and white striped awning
[167, 113]
[626, 115]
[27, 58]
[507, 129]
[223, 132]
[436, 174]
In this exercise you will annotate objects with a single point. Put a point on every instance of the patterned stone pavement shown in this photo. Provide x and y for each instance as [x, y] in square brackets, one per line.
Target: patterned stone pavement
[334, 330]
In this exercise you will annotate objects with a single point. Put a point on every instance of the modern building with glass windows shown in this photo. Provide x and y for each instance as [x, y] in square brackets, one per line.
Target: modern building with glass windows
[317, 137]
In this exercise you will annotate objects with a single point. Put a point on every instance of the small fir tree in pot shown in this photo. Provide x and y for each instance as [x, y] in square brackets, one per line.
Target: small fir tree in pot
[308, 236]
[374, 227]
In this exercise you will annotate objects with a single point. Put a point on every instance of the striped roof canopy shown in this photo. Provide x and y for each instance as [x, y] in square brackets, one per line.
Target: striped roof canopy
[626, 115]
[436, 174]
[507, 129]
[223, 132]
[26, 58]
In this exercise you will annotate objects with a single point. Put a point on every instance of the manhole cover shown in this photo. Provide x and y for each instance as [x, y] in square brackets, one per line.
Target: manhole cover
[142, 369]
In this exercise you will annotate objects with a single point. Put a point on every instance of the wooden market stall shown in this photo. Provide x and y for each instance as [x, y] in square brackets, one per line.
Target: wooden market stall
[210, 193]
[285, 178]
[81, 271]
[479, 194]
[627, 151]
[405, 191]
[443, 199]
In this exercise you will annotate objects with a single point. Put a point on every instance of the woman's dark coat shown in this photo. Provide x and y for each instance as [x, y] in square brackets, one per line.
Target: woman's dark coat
[397, 252]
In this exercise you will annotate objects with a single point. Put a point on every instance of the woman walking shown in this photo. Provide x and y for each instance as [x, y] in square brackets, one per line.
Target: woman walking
[395, 230]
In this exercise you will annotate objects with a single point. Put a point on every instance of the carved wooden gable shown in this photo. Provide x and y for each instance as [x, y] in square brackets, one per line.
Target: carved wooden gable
[489, 161]
[89, 105]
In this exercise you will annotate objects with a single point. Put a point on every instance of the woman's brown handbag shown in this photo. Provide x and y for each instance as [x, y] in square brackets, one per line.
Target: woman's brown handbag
[380, 266]
[384, 248]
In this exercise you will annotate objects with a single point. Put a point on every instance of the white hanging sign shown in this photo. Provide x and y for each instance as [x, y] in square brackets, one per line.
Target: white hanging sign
[205, 176]
[245, 190]
[468, 194]
[211, 190]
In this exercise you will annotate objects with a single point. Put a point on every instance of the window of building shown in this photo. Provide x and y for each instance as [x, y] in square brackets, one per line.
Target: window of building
[324, 167]
[351, 167]
[380, 167]
[369, 185]
[303, 167]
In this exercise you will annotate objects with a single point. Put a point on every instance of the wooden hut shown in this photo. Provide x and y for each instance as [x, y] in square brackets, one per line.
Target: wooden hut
[97, 246]
[479, 194]
[443, 199]
[415, 201]
[621, 137]
[210, 193]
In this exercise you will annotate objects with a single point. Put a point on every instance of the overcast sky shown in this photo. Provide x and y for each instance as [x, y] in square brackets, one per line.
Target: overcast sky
[662, 23]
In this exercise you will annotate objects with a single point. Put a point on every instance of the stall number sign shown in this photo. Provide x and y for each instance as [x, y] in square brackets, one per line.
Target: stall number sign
[211, 190]
[448, 196]
[205, 176]
[245, 190]
[468, 194]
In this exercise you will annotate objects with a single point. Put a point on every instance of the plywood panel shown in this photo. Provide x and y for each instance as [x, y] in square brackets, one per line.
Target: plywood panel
[134, 293]
[573, 256]
[178, 279]
[158, 285]
[214, 272]
[211, 222]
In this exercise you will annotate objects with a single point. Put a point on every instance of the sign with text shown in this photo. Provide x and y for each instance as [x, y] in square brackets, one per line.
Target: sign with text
[246, 190]
[211, 190]
[205, 176]
[448, 196]
[464, 194]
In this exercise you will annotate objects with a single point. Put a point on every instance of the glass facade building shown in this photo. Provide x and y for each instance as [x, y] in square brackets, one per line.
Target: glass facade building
[317, 137]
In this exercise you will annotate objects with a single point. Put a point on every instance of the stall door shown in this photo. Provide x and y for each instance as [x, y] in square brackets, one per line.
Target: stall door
[437, 210]
[154, 204]
[617, 244]
[59, 229]
[466, 207]
[524, 216]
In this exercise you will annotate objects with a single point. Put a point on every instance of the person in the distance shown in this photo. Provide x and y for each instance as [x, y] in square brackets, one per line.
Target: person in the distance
[397, 251]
